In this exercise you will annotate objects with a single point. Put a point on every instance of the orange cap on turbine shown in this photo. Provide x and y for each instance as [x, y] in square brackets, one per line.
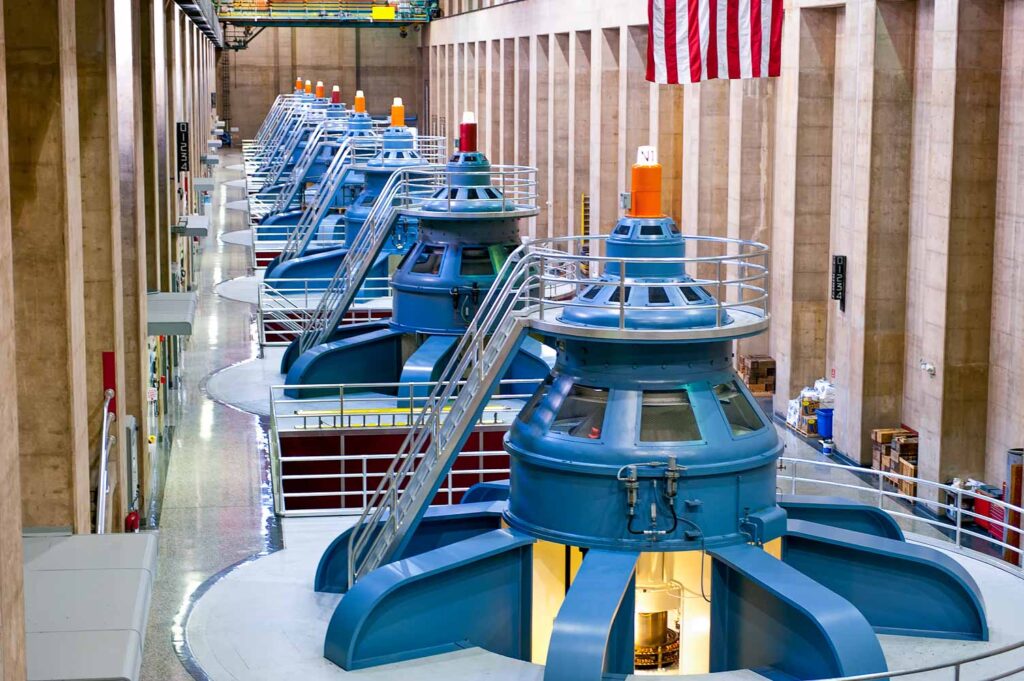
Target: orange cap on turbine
[646, 183]
[298, 84]
[319, 89]
[308, 88]
[397, 113]
[360, 103]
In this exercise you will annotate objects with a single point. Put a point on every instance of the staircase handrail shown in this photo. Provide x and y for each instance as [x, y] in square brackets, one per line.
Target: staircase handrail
[378, 221]
[313, 214]
[497, 307]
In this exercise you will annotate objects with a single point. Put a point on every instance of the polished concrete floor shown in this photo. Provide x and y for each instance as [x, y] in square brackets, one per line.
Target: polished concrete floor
[215, 509]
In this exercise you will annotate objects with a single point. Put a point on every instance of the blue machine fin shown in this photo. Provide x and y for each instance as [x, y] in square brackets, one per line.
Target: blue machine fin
[841, 513]
[361, 357]
[494, 490]
[766, 614]
[428, 361]
[593, 633]
[900, 588]
[441, 525]
[431, 603]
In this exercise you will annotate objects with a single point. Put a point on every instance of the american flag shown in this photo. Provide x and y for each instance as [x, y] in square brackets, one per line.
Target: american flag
[694, 40]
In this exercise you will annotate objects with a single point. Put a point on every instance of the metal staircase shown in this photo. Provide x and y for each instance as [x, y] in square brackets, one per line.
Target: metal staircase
[310, 120]
[441, 428]
[322, 134]
[354, 267]
[317, 209]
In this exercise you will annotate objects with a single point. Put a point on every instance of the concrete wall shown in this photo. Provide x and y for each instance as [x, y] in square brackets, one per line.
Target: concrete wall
[84, 183]
[894, 136]
[378, 61]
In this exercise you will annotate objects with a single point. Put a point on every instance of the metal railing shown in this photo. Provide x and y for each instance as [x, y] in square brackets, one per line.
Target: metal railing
[284, 306]
[408, 11]
[538, 276]
[817, 477]
[107, 440]
[945, 500]
[374, 406]
[418, 190]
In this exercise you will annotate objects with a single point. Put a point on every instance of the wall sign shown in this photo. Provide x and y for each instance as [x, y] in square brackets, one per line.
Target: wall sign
[839, 280]
[181, 144]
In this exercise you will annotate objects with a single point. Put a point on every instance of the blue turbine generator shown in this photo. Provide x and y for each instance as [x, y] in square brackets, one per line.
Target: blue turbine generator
[641, 528]
[339, 181]
[302, 117]
[467, 227]
[309, 263]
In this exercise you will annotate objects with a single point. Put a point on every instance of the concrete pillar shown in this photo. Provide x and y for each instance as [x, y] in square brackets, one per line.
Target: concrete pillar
[705, 180]
[870, 219]
[521, 102]
[101, 230]
[580, 129]
[604, 106]
[751, 139]
[154, 140]
[1006, 355]
[667, 101]
[801, 204]
[506, 89]
[952, 329]
[12, 601]
[46, 209]
[559, 116]
[128, 30]
[543, 137]
[635, 100]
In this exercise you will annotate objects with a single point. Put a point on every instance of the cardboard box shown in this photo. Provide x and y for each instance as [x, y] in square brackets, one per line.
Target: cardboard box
[904, 448]
[885, 435]
[809, 406]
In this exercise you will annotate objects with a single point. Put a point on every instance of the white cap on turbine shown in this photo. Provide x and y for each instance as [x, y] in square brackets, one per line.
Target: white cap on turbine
[468, 117]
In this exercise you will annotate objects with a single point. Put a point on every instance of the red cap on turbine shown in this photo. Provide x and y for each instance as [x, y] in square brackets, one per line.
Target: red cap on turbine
[467, 132]
[335, 95]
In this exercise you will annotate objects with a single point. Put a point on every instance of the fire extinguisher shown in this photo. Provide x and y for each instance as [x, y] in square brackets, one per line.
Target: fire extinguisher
[131, 522]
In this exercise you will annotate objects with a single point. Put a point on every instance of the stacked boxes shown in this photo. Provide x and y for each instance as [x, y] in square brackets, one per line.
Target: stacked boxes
[758, 372]
[904, 460]
[801, 415]
[882, 452]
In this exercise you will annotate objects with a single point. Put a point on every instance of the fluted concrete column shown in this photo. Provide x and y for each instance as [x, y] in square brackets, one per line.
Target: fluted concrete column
[12, 607]
[705, 158]
[751, 138]
[871, 190]
[128, 30]
[801, 203]
[1005, 425]
[154, 139]
[951, 329]
[46, 207]
[101, 227]
[559, 134]
[667, 129]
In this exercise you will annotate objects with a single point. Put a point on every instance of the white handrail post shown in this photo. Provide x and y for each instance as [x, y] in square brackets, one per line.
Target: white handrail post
[106, 440]
[959, 522]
